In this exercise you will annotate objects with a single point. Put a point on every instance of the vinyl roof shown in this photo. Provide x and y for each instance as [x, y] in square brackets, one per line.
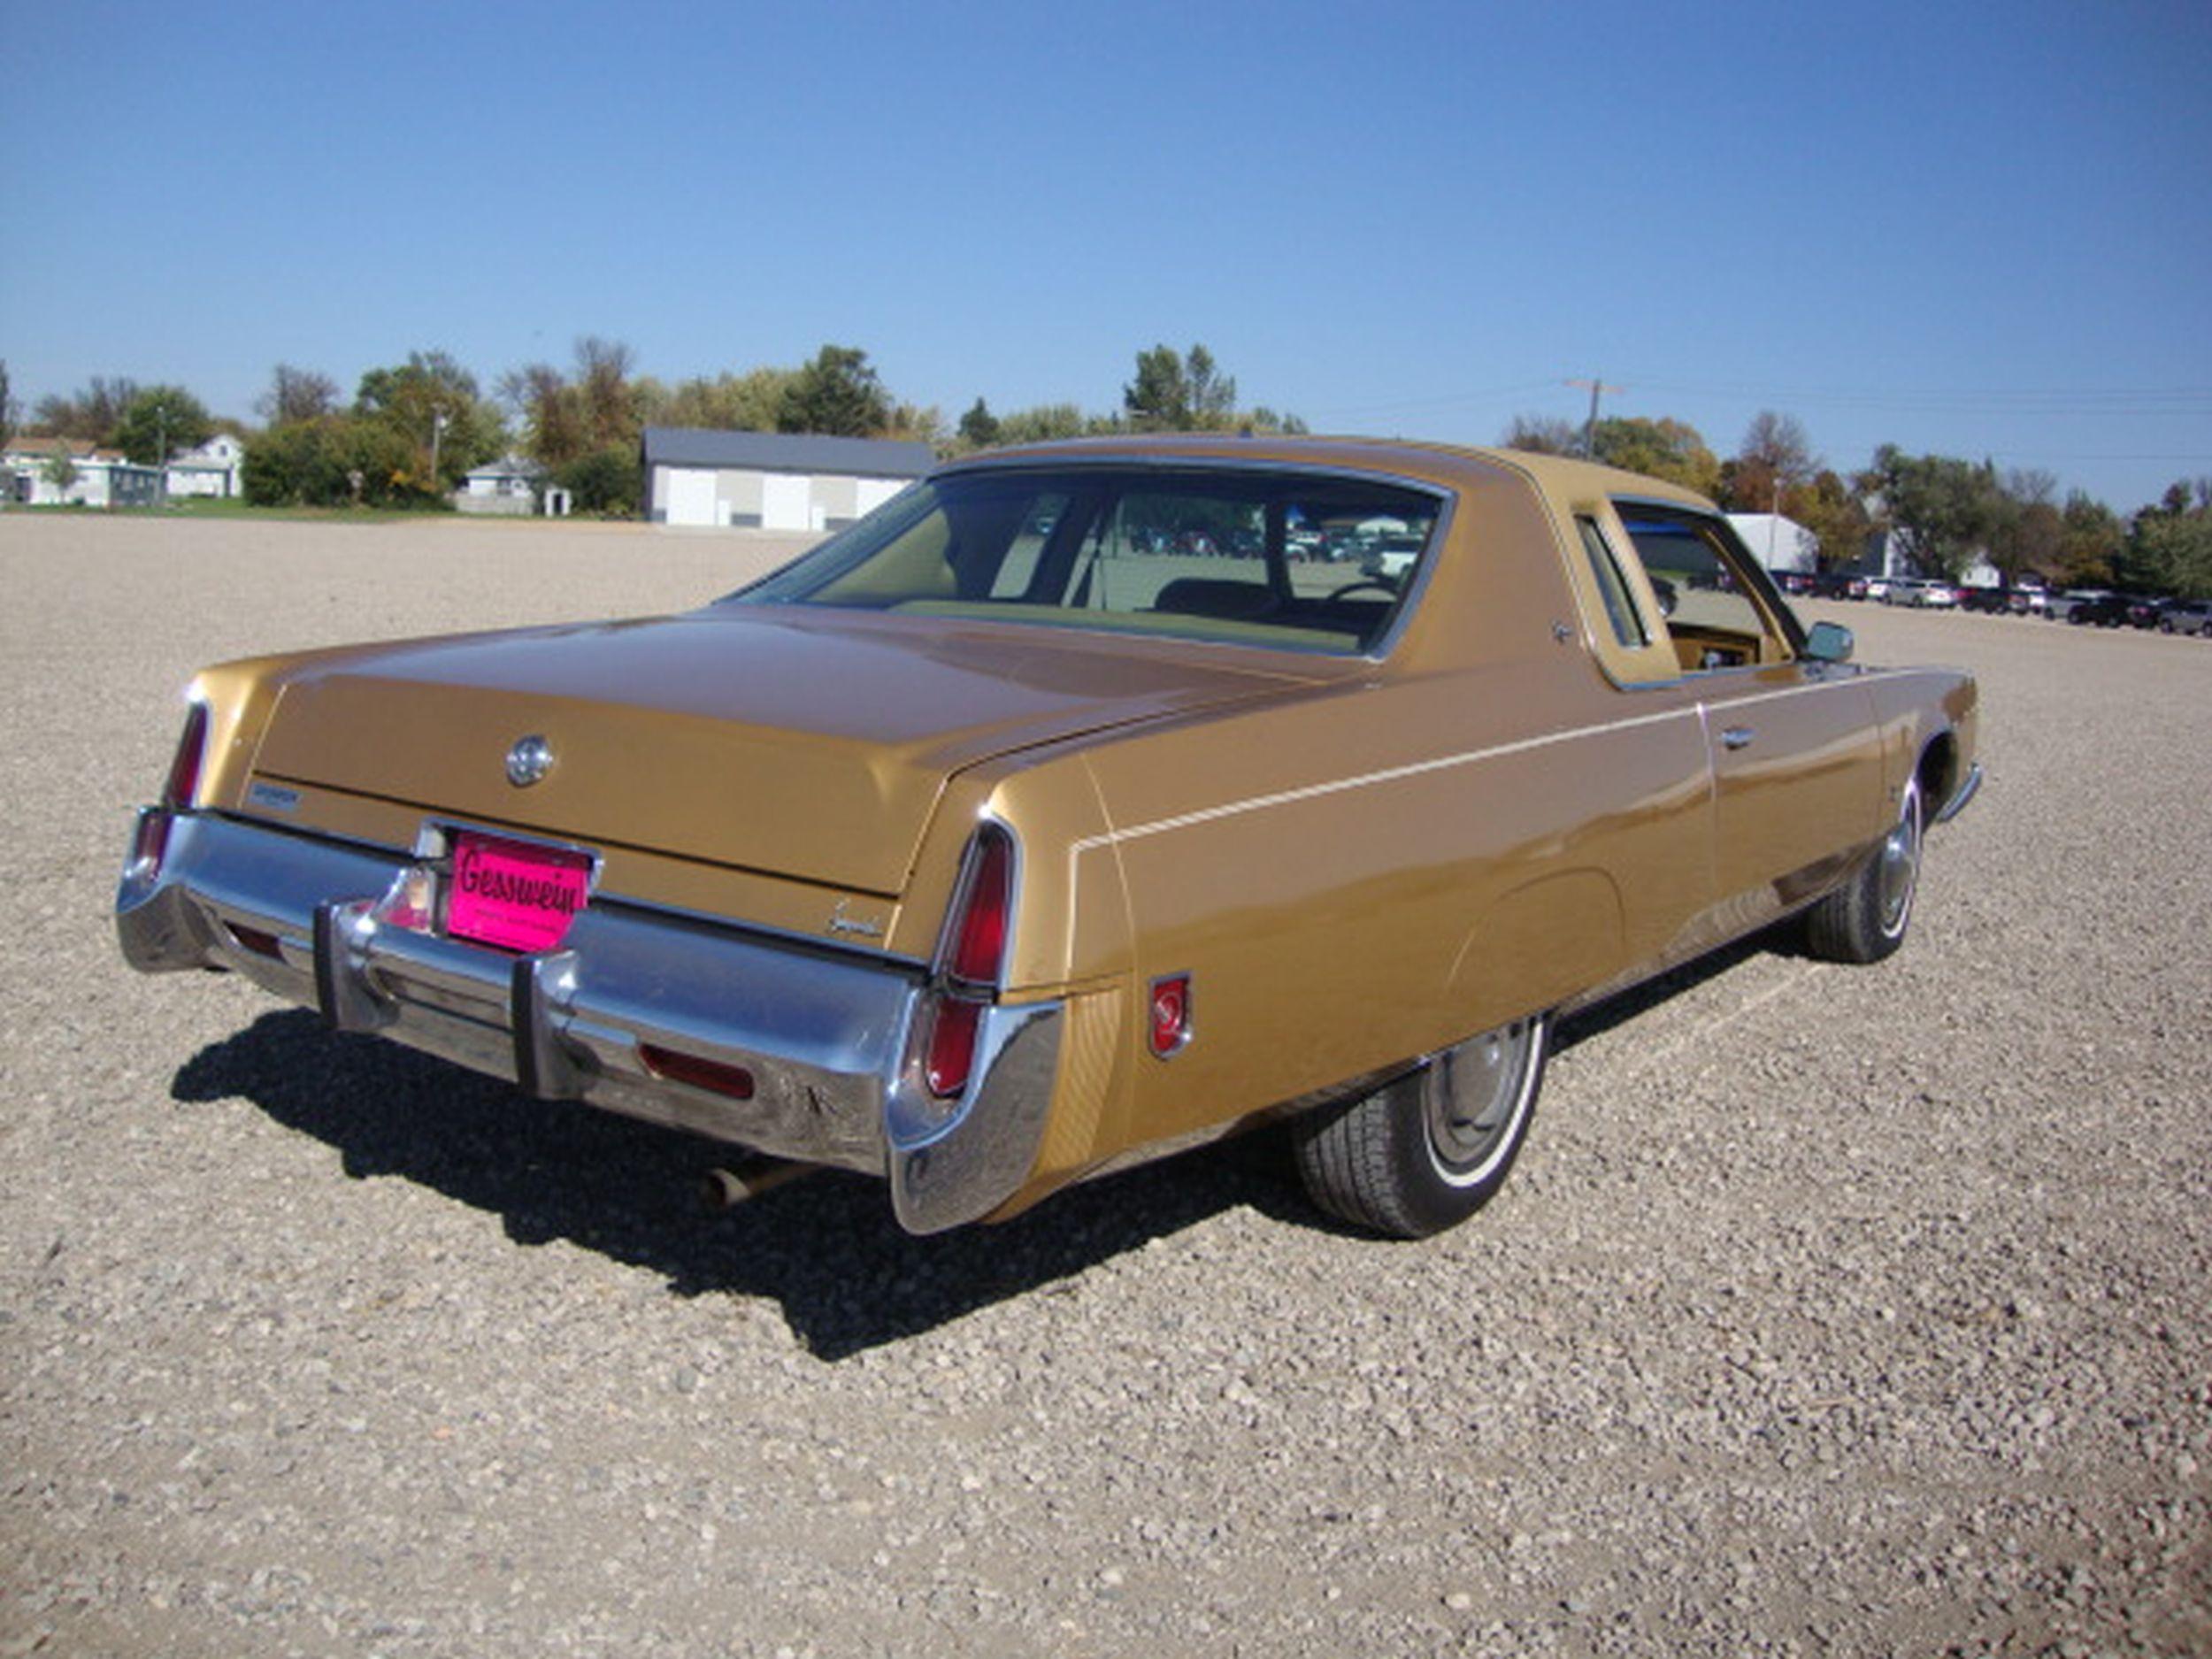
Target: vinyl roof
[1442, 463]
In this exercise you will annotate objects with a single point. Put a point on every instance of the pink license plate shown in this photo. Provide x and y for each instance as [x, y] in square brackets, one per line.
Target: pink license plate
[513, 895]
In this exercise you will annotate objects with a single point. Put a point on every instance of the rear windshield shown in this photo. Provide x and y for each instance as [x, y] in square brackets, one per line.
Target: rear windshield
[1287, 560]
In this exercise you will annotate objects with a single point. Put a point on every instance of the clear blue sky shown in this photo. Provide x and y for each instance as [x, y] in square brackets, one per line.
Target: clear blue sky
[1974, 229]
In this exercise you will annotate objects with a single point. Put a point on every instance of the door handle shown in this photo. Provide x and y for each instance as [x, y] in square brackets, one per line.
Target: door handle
[1736, 737]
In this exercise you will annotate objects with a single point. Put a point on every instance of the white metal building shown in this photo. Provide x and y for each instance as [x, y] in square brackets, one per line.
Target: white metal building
[772, 481]
[1779, 543]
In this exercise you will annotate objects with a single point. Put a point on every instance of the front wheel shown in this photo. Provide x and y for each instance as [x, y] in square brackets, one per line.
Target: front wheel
[1426, 1151]
[1865, 919]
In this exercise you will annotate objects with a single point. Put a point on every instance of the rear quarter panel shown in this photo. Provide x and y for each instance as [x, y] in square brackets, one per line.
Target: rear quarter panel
[1915, 708]
[1347, 895]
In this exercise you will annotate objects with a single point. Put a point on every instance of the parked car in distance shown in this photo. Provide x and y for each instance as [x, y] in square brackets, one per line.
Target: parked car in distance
[1000, 841]
[2186, 615]
[1994, 600]
[1838, 585]
[2060, 606]
[2000, 599]
[1392, 558]
[2101, 608]
[1920, 591]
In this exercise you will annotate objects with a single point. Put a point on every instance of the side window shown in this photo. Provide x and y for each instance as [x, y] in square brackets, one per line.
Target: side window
[1624, 618]
[1719, 612]
[1605, 568]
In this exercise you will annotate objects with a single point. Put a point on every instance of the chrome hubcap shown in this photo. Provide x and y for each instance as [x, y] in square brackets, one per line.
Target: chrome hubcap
[1474, 1096]
[1900, 864]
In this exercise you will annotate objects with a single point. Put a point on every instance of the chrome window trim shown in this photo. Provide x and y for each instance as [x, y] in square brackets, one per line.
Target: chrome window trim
[1597, 545]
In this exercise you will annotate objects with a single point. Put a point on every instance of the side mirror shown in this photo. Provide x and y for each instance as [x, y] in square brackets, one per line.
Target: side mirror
[1829, 642]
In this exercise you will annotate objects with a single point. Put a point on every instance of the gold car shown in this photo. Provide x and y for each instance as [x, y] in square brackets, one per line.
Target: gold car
[1083, 802]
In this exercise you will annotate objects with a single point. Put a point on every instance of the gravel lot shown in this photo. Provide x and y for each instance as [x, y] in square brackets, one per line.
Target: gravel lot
[1829, 1311]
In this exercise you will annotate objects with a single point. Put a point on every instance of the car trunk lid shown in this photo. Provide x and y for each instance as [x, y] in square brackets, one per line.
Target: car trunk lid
[808, 745]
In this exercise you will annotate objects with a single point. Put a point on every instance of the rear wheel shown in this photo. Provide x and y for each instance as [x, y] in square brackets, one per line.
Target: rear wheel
[1865, 919]
[1426, 1151]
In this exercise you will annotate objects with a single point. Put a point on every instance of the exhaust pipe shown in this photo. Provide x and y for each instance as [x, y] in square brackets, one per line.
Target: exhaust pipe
[727, 1189]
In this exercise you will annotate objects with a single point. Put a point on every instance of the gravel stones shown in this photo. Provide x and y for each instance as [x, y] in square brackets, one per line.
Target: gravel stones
[1829, 1310]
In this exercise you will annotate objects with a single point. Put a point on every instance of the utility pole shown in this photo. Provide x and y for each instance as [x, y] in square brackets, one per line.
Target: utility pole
[1598, 388]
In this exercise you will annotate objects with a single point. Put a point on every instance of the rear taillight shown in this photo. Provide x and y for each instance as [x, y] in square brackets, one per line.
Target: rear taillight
[970, 961]
[191, 756]
[987, 895]
[951, 1057]
[150, 845]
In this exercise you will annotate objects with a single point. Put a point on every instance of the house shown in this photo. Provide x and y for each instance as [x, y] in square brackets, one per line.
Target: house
[505, 488]
[213, 469]
[772, 481]
[105, 478]
[1886, 556]
[69, 472]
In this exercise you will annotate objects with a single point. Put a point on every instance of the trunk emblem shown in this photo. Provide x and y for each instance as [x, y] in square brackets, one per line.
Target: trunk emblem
[861, 927]
[529, 760]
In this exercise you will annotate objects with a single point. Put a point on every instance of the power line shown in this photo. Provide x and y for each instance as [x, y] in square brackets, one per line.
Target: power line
[1441, 401]
[1910, 399]
[2027, 399]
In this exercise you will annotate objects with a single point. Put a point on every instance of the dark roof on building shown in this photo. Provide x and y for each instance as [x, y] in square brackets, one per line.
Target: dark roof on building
[75, 449]
[786, 452]
[507, 466]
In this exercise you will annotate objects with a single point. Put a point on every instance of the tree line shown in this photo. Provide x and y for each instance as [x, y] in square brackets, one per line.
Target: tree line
[1943, 512]
[148, 424]
[412, 430]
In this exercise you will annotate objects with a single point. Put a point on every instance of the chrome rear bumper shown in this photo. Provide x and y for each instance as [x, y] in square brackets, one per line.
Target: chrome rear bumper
[1968, 787]
[826, 1038]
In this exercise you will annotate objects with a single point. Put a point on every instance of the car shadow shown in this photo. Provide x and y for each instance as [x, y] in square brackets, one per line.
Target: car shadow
[826, 1249]
[1784, 939]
